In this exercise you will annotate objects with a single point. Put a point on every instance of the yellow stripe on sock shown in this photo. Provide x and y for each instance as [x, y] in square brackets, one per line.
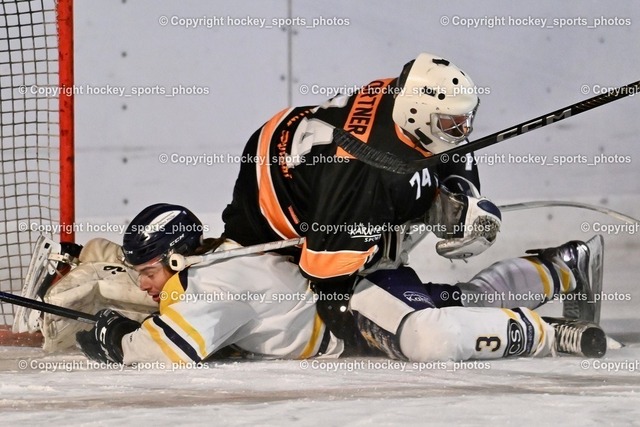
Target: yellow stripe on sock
[510, 313]
[318, 328]
[544, 276]
[565, 279]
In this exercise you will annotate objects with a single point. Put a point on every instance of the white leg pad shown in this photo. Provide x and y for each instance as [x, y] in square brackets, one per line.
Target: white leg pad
[461, 333]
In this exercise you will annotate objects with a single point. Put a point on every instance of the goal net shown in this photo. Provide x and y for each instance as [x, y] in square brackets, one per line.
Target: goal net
[36, 131]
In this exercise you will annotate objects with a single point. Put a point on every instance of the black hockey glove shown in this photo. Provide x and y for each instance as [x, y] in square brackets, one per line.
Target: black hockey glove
[103, 343]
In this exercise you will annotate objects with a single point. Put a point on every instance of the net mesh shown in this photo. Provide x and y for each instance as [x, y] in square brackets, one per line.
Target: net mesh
[29, 132]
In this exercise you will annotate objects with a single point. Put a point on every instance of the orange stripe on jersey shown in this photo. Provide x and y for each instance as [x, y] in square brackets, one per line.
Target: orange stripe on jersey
[325, 264]
[407, 141]
[294, 217]
[269, 204]
[363, 111]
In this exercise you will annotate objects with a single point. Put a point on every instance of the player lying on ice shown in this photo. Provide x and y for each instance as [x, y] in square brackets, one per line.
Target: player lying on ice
[262, 306]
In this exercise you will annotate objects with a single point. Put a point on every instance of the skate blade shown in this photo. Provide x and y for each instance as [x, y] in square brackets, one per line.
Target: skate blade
[613, 344]
[596, 271]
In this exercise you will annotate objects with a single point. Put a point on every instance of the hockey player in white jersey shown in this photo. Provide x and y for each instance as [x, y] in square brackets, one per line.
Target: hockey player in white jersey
[261, 305]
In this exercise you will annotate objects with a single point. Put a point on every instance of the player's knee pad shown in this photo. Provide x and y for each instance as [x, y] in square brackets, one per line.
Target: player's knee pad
[428, 335]
[380, 303]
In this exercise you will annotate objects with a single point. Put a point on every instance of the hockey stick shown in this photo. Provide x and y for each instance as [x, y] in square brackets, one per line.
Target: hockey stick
[179, 262]
[47, 308]
[390, 162]
[556, 203]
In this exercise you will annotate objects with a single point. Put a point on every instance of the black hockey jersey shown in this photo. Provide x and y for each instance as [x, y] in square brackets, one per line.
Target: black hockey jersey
[295, 181]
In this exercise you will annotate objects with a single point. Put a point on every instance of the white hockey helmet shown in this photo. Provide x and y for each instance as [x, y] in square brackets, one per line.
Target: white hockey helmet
[436, 103]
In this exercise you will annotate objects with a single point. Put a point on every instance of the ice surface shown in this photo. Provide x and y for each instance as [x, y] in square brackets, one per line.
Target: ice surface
[529, 71]
[560, 391]
[64, 389]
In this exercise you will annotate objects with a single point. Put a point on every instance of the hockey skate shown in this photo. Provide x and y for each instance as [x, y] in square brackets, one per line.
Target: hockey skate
[585, 260]
[578, 337]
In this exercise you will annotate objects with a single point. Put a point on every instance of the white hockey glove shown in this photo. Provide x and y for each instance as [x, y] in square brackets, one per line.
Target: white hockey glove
[468, 222]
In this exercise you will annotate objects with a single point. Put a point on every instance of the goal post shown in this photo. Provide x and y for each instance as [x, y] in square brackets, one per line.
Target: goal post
[37, 134]
[66, 114]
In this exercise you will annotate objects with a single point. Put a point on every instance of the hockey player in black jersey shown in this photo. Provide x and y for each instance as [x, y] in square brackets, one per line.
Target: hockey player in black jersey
[298, 182]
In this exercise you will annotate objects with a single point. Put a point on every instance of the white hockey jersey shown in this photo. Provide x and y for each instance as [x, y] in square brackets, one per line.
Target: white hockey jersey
[260, 304]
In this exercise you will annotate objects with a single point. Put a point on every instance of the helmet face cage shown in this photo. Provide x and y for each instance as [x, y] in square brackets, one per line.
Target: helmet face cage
[159, 231]
[452, 128]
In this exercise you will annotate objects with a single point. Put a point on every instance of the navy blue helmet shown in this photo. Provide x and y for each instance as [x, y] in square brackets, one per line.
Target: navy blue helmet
[159, 231]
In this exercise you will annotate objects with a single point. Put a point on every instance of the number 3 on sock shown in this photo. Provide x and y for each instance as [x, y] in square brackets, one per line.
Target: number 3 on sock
[492, 343]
